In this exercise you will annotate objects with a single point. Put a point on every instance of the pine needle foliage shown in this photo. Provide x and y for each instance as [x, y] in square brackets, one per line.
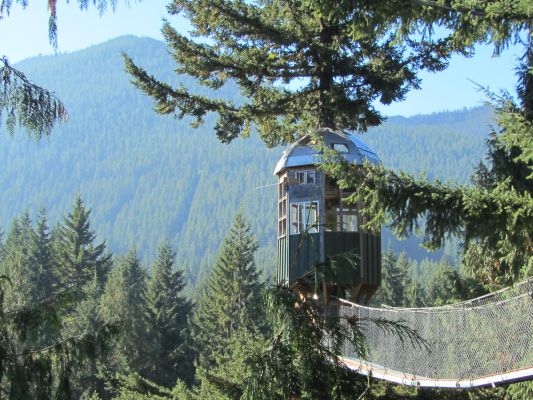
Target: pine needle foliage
[101, 5]
[78, 257]
[299, 64]
[493, 217]
[169, 311]
[124, 297]
[301, 359]
[25, 104]
[33, 370]
[231, 301]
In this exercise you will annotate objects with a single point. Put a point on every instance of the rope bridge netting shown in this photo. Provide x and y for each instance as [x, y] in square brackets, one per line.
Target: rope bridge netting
[483, 341]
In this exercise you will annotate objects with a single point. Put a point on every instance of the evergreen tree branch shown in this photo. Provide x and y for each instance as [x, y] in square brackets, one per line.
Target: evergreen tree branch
[241, 18]
[502, 216]
[26, 104]
[76, 340]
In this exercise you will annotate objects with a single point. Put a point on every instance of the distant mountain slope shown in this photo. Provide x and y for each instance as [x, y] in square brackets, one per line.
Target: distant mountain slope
[148, 177]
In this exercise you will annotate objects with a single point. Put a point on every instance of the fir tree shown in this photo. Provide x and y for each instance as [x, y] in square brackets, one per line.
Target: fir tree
[39, 358]
[231, 300]
[85, 319]
[169, 312]
[414, 295]
[342, 56]
[18, 263]
[492, 218]
[392, 290]
[25, 104]
[124, 301]
[77, 255]
[227, 377]
[43, 257]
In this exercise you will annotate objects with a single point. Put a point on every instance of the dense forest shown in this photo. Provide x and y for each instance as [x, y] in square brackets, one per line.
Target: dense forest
[81, 322]
[136, 251]
[149, 178]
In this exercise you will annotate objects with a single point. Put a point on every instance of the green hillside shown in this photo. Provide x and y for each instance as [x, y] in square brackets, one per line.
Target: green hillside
[148, 177]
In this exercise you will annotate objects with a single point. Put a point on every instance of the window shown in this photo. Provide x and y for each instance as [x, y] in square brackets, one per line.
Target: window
[305, 177]
[340, 147]
[282, 188]
[282, 227]
[347, 219]
[340, 218]
[282, 207]
[304, 217]
[282, 211]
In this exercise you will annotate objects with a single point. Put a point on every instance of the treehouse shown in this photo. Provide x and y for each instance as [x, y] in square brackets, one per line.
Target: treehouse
[320, 237]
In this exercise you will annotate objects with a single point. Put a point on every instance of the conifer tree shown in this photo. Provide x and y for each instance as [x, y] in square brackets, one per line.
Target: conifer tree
[392, 289]
[169, 311]
[43, 258]
[76, 253]
[124, 301]
[18, 263]
[87, 319]
[415, 295]
[301, 64]
[448, 285]
[38, 357]
[226, 379]
[231, 300]
[22, 103]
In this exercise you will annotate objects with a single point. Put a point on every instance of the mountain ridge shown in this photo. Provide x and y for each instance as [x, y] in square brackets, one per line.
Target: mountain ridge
[149, 177]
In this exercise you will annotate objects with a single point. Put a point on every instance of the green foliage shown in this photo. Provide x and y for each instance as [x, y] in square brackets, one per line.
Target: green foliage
[300, 359]
[231, 299]
[78, 257]
[124, 299]
[520, 391]
[17, 264]
[228, 321]
[43, 259]
[232, 369]
[101, 5]
[159, 155]
[493, 219]
[169, 311]
[27, 105]
[134, 387]
[392, 283]
[502, 216]
[446, 285]
[341, 58]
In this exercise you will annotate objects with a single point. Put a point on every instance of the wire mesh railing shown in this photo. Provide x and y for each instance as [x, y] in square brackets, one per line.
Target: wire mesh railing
[490, 336]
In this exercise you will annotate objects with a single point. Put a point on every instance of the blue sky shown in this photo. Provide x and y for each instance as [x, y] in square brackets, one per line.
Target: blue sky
[26, 32]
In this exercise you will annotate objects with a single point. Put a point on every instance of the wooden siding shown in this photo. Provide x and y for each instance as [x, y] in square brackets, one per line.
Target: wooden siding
[283, 261]
[304, 256]
[344, 247]
[371, 258]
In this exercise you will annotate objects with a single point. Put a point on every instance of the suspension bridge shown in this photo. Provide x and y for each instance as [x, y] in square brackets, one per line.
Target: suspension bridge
[479, 342]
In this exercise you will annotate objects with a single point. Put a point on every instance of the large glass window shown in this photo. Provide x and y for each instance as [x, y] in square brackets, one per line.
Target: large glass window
[347, 220]
[304, 217]
[338, 218]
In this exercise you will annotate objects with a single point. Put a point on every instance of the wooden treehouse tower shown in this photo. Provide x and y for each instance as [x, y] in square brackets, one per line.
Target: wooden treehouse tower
[316, 227]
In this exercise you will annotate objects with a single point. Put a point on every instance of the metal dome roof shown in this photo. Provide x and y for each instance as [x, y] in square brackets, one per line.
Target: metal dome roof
[300, 153]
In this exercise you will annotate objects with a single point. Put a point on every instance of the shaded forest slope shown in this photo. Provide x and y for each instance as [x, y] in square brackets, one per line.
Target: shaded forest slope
[149, 177]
